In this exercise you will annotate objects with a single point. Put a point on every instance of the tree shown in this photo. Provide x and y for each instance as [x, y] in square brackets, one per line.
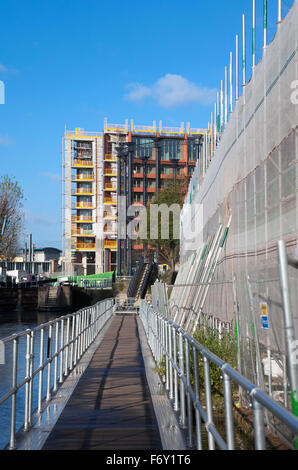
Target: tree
[11, 217]
[168, 247]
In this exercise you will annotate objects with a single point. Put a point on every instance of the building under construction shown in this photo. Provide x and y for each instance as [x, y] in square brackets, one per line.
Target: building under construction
[125, 160]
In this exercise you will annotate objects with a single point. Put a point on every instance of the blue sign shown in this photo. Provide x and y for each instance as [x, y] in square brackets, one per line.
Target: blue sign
[264, 322]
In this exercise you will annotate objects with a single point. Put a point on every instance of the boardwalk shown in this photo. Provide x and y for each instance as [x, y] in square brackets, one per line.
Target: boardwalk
[111, 406]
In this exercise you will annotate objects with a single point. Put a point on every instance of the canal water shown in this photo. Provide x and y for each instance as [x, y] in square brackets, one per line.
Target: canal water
[15, 321]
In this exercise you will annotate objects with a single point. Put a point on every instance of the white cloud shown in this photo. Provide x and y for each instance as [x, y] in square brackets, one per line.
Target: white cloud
[7, 70]
[5, 140]
[137, 92]
[171, 91]
[54, 177]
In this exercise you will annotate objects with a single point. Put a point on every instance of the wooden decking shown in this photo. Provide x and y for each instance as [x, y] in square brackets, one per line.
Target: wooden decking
[111, 407]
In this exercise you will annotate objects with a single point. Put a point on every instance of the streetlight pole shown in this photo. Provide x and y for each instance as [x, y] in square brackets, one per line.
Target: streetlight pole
[120, 155]
[157, 143]
[130, 150]
[125, 153]
[145, 159]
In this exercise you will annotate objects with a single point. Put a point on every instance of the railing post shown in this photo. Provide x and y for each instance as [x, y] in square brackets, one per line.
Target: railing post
[170, 361]
[49, 357]
[56, 356]
[208, 394]
[197, 392]
[40, 383]
[176, 402]
[67, 347]
[182, 392]
[26, 415]
[229, 411]
[166, 344]
[62, 350]
[189, 407]
[258, 416]
[30, 388]
[76, 343]
[12, 443]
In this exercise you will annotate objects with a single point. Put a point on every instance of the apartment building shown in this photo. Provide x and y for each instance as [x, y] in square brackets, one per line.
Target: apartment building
[123, 159]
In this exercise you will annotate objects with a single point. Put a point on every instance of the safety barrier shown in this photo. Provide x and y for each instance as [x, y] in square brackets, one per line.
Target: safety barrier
[182, 353]
[60, 344]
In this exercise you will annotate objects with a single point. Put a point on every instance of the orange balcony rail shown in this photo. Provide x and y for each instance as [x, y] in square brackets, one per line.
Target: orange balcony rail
[85, 246]
[110, 187]
[87, 233]
[110, 244]
[82, 191]
[110, 158]
[81, 218]
[83, 205]
[110, 200]
[84, 163]
[85, 176]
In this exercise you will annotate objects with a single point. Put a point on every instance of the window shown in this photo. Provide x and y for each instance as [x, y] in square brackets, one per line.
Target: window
[143, 147]
[167, 170]
[137, 169]
[137, 197]
[170, 149]
[191, 151]
[137, 183]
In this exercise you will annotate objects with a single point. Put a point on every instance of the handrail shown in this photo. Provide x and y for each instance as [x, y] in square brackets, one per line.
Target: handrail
[169, 340]
[63, 341]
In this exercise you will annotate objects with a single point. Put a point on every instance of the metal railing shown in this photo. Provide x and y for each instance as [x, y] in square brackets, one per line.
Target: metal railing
[125, 305]
[182, 369]
[97, 283]
[61, 344]
[85, 176]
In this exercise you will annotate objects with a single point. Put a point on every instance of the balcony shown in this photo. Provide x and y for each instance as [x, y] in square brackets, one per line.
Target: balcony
[85, 177]
[110, 215]
[85, 246]
[82, 233]
[83, 205]
[82, 191]
[82, 219]
[78, 163]
[110, 187]
[110, 158]
[110, 200]
[110, 172]
[110, 243]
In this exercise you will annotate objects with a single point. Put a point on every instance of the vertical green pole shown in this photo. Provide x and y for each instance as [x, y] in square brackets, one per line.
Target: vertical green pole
[295, 410]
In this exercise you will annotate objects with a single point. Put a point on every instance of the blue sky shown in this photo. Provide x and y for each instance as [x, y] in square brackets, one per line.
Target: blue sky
[72, 63]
